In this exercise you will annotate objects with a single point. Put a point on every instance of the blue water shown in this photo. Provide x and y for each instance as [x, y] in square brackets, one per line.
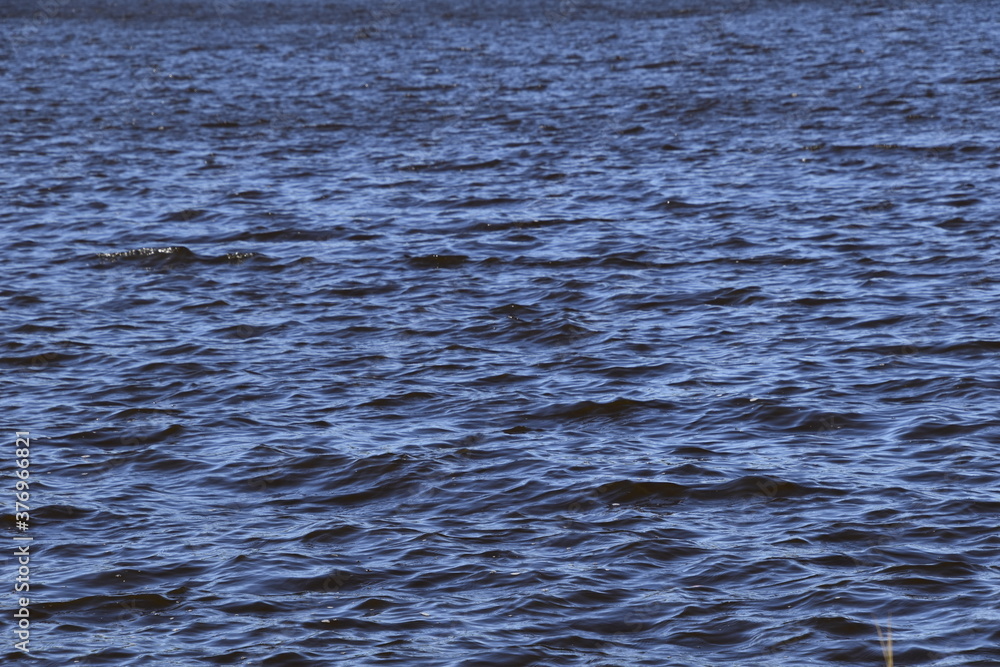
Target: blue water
[556, 333]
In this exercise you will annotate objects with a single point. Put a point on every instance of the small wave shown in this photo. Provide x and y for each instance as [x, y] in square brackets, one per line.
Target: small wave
[453, 166]
[436, 261]
[613, 409]
[169, 257]
[749, 487]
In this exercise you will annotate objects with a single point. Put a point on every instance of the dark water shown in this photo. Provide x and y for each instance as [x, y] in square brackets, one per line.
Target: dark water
[645, 333]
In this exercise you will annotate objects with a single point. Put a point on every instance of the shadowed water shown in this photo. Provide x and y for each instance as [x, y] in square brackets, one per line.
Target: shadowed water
[560, 333]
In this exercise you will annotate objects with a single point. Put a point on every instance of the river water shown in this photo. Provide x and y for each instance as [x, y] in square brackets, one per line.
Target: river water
[548, 333]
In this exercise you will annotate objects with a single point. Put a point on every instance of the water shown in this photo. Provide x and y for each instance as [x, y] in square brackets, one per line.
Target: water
[646, 333]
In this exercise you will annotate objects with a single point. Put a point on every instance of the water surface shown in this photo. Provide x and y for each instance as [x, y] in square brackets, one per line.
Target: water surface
[644, 333]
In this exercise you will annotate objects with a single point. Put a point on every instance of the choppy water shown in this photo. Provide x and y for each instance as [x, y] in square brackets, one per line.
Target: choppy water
[653, 333]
